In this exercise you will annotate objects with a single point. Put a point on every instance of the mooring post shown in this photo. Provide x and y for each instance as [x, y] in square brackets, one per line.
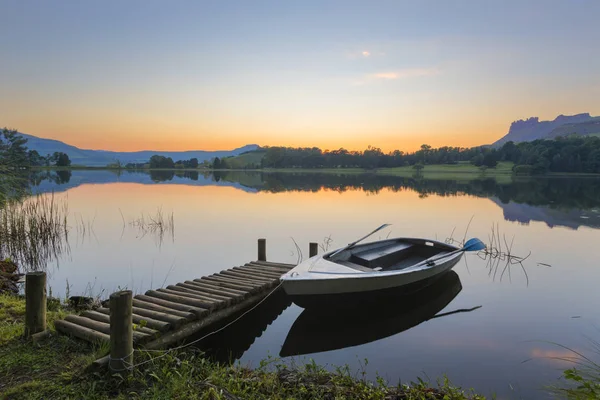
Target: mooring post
[262, 249]
[313, 249]
[121, 331]
[35, 303]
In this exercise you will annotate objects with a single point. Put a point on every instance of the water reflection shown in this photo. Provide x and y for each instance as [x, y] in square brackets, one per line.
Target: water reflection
[316, 331]
[557, 201]
[231, 343]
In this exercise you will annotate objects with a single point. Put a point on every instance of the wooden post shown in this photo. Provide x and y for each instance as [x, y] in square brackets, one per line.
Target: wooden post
[121, 331]
[313, 249]
[35, 303]
[262, 249]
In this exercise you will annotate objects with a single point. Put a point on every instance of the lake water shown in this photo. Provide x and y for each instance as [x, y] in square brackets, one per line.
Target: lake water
[218, 219]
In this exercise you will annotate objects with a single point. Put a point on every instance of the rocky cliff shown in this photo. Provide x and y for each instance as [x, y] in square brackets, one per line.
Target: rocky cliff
[532, 128]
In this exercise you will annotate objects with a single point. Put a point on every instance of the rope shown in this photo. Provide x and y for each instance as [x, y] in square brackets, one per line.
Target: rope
[122, 359]
[166, 352]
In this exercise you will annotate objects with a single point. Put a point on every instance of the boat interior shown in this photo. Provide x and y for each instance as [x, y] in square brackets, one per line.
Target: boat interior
[389, 255]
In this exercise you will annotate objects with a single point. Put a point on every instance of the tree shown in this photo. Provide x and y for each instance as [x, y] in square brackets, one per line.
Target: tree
[61, 159]
[157, 161]
[217, 163]
[35, 159]
[489, 159]
[13, 151]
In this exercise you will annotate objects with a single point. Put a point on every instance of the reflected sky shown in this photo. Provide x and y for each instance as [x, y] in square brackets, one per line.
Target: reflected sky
[217, 225]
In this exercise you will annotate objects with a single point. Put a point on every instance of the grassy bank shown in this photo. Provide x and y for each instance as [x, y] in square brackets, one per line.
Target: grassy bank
[55, 368]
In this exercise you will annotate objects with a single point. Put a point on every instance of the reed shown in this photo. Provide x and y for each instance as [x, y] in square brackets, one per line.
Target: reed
[158, 224]
[34, 231]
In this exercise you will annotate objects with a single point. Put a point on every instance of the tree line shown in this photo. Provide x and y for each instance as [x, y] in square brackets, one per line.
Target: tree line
[572, 154]
[158, 162]
[14, 153]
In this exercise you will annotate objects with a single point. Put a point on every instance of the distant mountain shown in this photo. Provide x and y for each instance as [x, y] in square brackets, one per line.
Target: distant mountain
[532, 128]
[102, 157]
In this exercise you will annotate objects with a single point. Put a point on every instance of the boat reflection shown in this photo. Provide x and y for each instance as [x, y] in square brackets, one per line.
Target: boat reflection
[316, 331]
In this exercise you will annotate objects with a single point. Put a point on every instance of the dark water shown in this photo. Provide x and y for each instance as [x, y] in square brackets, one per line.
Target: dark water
[515, 309]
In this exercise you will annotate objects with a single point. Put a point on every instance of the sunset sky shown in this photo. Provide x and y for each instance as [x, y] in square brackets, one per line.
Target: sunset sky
[160, 75]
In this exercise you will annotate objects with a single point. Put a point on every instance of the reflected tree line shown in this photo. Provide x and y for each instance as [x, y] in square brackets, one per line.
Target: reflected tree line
[553, 192]
[562, 193]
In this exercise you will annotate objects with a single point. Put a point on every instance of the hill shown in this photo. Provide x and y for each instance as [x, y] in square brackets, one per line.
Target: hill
[102, 157]
[589, 128]
[532, 128]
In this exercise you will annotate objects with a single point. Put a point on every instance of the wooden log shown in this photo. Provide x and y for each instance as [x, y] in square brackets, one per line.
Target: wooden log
[182, 288]
[272, 264]
[267, 275]
[230, 284]
[262, 268]
[242, 276]
[159, 316]
[96, 316]
[313, 249]
[121, 331]
[213, 303]
[253, 274]
[262, 249]
[214, 293]
[35, 303]
[102, 327]
[151, 323]
[37, 337]
[283, 270]
[206, 285]
[197, 311]
[90, 335]
[180, 299]
[155, 307]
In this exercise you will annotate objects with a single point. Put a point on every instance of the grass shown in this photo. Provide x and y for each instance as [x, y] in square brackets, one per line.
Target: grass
[56, 368]
[33, 231]
[243, 160]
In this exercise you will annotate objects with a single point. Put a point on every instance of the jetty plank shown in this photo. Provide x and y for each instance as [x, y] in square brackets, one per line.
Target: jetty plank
[180, 299]
[198, 311]
[272, 268]
[102, 327]
[230, 284]
[262, 275]
[206, 285]
[246, 276]
[137, 319]
[81, 332]
[181, 288]
[155, 307]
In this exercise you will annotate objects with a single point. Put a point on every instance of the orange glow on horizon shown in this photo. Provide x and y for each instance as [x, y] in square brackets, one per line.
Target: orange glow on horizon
[190, 141]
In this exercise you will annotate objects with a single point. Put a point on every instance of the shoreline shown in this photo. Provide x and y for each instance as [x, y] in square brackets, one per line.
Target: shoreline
[432, 171]
[58, 366]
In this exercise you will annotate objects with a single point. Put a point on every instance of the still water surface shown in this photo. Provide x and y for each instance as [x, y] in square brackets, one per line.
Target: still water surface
[218, 219]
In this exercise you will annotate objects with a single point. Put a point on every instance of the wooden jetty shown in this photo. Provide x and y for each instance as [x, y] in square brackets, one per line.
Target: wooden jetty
[166, 316]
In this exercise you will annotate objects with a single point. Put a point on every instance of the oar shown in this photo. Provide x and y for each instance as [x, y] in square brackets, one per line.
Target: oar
[473, 244]
[350, 245]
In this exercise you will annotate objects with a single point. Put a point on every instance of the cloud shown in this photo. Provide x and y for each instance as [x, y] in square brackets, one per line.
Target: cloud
[404, 73]
[366, 53]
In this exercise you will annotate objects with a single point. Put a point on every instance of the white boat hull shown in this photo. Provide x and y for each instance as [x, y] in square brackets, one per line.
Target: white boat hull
[318, 280]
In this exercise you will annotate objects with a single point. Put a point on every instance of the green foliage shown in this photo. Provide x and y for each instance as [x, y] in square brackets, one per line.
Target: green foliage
[61, 159]
[573, 154]
[157, 161]
[13, 151]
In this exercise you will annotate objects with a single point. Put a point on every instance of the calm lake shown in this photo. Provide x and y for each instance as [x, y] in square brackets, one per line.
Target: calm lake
[501, 348]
